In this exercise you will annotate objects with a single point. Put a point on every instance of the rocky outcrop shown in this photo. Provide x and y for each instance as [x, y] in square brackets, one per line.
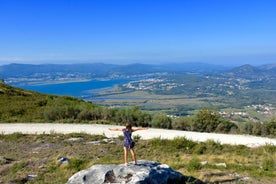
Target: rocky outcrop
[144, 172]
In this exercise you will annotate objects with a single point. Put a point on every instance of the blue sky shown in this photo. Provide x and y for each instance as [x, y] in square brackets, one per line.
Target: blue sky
[145, 31]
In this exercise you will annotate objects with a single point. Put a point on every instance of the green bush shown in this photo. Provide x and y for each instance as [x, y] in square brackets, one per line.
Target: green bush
[161, 121]
[270, 127]
[183, 123]
[226, 127]
[206, 120]
[76, 164]
[136, 138]
[200, 149]
[182, 143]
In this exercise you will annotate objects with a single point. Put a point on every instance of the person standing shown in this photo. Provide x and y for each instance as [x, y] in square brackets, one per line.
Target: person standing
[128, 142]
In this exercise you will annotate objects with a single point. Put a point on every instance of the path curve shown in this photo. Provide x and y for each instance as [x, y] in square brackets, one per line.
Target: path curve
[40, 128]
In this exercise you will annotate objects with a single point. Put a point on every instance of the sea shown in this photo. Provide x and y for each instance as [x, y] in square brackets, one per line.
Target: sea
[84, 89]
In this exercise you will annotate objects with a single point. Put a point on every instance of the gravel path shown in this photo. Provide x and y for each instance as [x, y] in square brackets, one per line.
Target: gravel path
[40, 128]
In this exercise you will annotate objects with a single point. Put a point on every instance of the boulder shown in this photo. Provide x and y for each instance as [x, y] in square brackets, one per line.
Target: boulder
[144, 172]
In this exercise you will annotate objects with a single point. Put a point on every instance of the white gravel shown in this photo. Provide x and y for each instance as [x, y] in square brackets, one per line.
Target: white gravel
[40, 128]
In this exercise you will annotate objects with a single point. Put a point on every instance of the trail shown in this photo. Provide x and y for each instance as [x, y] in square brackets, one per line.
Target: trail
[47, 128]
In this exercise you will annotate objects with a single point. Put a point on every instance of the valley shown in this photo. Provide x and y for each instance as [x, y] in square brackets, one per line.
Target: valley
[240, 94]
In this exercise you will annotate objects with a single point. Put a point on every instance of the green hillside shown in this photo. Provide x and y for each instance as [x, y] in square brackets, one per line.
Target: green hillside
[18, 105]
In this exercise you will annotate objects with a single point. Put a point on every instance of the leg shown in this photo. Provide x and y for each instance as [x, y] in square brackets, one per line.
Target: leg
[133, 155]
[125, 154]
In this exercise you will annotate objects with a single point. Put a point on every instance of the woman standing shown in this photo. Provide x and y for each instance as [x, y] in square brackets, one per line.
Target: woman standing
[128, 142]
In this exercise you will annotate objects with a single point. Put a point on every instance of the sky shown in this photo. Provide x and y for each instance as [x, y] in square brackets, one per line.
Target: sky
[138, 31]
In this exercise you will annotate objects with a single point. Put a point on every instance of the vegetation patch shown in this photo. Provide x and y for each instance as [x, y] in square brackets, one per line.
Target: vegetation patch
[17, 105]
[37, 158]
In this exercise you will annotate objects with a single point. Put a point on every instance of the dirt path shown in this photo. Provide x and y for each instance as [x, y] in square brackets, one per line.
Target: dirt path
[39, 128]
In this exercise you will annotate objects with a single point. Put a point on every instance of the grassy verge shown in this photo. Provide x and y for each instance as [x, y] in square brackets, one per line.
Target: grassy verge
[35, 158]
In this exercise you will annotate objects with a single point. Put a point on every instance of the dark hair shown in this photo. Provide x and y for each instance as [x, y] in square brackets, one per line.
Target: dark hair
[128, 126]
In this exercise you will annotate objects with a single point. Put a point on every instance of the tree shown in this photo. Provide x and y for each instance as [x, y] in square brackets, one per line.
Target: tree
[161, 121]
[206, 120]
[247, 128]
[226, 127]
[183, 123]
[270, 127]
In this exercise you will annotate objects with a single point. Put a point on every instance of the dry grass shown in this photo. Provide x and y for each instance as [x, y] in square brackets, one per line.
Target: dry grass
[27, 155]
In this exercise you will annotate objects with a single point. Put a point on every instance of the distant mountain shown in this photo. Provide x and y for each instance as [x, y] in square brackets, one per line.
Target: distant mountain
[249, 69]
[29, 73]
[245, 71]
[268, 67]
[17, 70]
[250, 72]
[201, 68]
[100, 69]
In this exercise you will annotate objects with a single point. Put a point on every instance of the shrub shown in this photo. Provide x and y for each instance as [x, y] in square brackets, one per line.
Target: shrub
[270, 127]
[182, 143]
[76, 164]
[226, 127]
[183, 123]
[206, 120]
[84, 115]
[136, 138]
[158, 142]
[162, 121]
[61, 113]
[269, 149]
[200, 149]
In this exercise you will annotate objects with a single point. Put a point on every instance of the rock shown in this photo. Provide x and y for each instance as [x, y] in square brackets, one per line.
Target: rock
[221, 164]
[63, 160]
[31, 177]
[75, 139]
[204, 162]
[145, 172]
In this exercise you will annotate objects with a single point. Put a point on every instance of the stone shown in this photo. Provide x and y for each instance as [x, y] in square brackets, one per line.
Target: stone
[204, 162]
[144, 172]
[63, 160]
[221, 164]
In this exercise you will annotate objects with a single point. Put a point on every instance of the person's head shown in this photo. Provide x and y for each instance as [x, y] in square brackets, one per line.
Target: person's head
[128, 126]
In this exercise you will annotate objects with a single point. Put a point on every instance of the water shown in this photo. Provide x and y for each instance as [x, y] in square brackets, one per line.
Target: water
[75, 89]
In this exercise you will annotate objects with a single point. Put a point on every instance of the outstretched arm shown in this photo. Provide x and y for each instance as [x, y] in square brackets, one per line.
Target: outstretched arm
[115, 129]
[139, 128]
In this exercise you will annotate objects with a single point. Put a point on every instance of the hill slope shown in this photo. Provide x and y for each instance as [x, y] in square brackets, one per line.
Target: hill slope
[18, 105]
[27, 106]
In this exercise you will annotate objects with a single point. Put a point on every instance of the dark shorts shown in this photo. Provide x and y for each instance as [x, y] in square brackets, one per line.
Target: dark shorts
[129, 145]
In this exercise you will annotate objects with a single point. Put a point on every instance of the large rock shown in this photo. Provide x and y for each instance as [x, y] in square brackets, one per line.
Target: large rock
[145, 172]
